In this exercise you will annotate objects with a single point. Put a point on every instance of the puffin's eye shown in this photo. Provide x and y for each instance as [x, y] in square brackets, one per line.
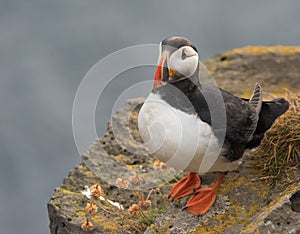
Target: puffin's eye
[183, 55]
[187, 51]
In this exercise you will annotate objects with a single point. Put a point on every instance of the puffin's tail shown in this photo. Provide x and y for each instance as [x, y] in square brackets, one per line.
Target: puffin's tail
[256, 99]
[270, 111]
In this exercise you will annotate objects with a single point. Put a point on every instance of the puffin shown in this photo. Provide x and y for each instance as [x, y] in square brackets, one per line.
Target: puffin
[198, 127]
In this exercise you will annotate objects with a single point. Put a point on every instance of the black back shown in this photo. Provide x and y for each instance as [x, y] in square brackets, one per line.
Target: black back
[243, 130]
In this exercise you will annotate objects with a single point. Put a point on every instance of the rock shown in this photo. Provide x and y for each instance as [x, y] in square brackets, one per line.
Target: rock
[282, 215]
[245, 204]
[274, 67]
[67, 203]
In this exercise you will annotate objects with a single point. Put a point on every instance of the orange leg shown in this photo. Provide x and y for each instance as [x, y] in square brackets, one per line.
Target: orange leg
[203, 199]
[185, 186]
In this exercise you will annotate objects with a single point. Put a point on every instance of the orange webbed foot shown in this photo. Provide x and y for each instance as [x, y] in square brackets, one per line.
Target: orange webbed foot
[204, 198]
[185, 186]
[201, 202]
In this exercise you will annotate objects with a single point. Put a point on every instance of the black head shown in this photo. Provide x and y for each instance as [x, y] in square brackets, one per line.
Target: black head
[175, 43]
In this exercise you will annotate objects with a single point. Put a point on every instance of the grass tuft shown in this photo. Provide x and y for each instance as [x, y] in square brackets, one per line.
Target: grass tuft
[278, 156]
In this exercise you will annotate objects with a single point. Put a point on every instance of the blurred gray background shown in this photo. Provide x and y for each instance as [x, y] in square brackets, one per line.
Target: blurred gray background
[47, 47]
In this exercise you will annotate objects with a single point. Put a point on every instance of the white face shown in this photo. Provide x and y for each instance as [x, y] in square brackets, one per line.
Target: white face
[184, 60]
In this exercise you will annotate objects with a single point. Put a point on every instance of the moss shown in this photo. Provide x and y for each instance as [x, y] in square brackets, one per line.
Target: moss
[57, 207]
[66, 191]
[89, 173]
[133, 167]
[80, 213]
[261, 50]
[226, 221]
[162, 210]
[105, 224]
[231, 182]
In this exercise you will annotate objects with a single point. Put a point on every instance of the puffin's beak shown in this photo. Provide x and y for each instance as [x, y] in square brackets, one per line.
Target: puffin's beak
[159, 71]
[163, 71]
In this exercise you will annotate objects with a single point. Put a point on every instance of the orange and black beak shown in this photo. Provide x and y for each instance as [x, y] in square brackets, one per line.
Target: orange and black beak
[163, 71]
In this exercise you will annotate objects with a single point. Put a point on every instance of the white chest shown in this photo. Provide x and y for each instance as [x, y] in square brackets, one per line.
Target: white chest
[180, 139]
